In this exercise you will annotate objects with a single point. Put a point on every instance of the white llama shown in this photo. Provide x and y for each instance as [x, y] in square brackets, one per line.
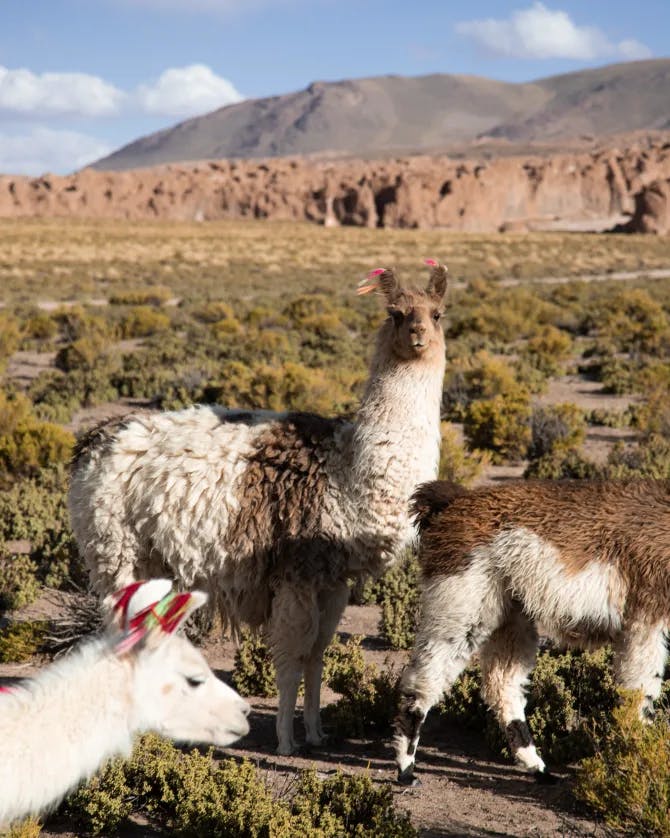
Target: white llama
[589, 561]
[58, 728]
[273, 514]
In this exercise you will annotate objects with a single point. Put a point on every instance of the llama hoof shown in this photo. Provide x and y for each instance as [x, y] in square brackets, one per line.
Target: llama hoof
[286, 750]
[407, 778]
[545, 778]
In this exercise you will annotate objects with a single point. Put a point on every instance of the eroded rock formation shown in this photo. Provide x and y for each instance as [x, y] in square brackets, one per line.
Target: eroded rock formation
[593, 190]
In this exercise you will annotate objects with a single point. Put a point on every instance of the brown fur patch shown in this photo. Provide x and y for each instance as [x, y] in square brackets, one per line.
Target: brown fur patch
[279, 528]
[624, 523]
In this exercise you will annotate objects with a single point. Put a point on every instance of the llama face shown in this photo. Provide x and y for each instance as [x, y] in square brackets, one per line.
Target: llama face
[188, 702]
[415, 326]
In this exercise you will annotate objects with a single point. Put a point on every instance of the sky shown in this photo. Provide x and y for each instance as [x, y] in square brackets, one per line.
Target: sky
[80, 78]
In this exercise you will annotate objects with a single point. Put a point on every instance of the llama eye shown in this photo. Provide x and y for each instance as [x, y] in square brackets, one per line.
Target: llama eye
[436, 316]
[397, 316]
[194, 680]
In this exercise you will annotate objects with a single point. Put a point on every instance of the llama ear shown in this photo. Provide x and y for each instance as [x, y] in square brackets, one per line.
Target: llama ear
[381, 279]
[437, 284]
[148, 594]
[171, 613]
[136, 597]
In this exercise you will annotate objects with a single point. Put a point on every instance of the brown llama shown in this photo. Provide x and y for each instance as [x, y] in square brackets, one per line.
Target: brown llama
[588, 561]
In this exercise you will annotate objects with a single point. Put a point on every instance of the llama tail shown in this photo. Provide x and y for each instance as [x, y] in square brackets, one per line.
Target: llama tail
[431, 498]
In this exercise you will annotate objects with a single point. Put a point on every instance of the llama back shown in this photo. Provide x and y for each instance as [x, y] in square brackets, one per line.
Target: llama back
[607, 542]
[214, 497]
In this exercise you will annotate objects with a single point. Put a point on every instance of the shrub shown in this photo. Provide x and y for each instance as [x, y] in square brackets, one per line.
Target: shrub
[10, 336]
[83, 353]
[457, 464]
[143, 321]
[213, 311]
[28, 828]
[20, 641]
[398, 595]
[501, 425]
[563, 465]
[253, 672]
[189, 794]
[650, 458]
[36, 510]
[368, 697]
[546, 350]
[627, 781]
[18, 582]
[155, 296]
[26, 442]
[555, 429]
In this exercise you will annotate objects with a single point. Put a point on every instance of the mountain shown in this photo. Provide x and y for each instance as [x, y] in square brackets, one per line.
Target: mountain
[397, 114]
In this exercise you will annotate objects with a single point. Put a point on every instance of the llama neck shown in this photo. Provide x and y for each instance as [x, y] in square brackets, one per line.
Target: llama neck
[396, 441]
[62, 726]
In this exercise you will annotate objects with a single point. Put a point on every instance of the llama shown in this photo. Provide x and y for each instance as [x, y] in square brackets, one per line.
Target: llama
[274, 514]
[588, 561]
[139, 676]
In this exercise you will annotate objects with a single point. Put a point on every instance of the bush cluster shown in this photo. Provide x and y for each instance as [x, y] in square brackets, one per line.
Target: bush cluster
[369, 697]
[253, 671]
[627, 780]
[190, 794]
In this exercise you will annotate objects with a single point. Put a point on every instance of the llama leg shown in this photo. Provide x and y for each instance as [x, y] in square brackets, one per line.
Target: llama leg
[506, 660]
[332, 602]
[457, 615]
[292, 631]
[640, 654]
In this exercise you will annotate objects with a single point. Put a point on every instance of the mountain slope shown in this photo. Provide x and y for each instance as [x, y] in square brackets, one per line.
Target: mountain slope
[399, 114]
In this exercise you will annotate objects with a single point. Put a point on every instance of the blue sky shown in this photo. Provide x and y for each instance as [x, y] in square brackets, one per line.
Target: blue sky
[79, 78]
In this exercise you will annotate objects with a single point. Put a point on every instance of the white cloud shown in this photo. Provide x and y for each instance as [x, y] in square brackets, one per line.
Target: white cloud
[45, 150]
[55, 94]
[539, 32]
[186, 91]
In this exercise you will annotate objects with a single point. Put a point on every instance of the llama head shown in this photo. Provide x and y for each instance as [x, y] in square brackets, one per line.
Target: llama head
[413, 330]
[175, 693]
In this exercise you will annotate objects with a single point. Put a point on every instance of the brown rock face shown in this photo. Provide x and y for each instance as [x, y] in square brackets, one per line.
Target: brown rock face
[581, 191]
[652, 209]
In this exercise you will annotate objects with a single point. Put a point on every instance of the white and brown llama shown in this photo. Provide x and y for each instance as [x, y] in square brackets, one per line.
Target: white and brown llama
[140, 676]
[273, 513]
[589, 561]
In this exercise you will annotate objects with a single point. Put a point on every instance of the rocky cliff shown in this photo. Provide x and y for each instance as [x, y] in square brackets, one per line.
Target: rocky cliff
[593, 190]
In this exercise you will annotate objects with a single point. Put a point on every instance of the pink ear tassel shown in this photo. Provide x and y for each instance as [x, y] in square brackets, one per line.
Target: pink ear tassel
[365, 286]
[430, 262]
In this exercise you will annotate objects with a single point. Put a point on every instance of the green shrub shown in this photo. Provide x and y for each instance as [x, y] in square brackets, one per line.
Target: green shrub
[457, 464]
[253, 672]
[28, 828]
[36, 510]
[398, 595]
[18, 582]
[627, 781]
[555, 429]
[83, 353]
[563, 465]
[548, 349]
[10, 336]
[213, 311]
[501, 425]
[369, 697]
[189, 795]
[157, 295]
[27, 443]
[20, 641]
[143, 321]
[649, 458]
